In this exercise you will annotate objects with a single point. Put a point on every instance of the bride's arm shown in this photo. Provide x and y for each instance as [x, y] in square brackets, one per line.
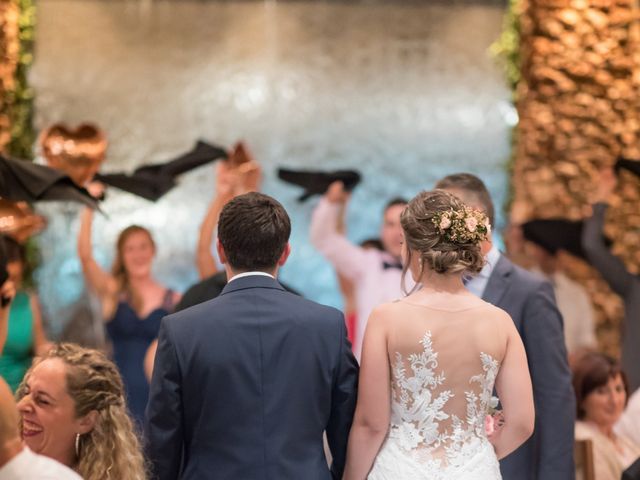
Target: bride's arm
[513, 385]
[371, 420]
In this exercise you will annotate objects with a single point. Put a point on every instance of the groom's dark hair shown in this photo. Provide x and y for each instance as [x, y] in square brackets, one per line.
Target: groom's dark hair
[254, 230]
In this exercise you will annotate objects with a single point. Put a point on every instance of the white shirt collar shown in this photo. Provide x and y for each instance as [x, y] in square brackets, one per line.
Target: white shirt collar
[248, 274]
[492, 258]
[478, 284]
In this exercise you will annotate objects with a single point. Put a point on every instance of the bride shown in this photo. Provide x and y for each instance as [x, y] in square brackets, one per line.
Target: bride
[431, 360]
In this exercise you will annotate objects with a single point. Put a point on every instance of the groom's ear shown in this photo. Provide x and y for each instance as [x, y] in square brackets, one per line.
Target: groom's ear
[285, 255]
[221, 254]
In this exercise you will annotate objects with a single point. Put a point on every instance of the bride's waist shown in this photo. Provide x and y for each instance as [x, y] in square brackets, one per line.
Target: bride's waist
[435, 447]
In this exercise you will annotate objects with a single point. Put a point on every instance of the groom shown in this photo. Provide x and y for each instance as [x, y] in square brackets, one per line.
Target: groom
[244, 385]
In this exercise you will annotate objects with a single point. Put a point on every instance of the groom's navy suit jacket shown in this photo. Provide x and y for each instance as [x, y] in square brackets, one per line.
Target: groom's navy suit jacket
[244, 386]
[529, 299]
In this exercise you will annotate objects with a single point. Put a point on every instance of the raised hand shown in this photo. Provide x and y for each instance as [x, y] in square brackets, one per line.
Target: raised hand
[228, 180]
[607, 183]
[337, 193]
[96, 189]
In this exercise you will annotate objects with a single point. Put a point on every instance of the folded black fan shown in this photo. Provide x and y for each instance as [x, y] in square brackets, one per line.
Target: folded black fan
[21, 180]
[632, 165]
[557, 234]
[633, 472]
[153, 181]
[317, 182]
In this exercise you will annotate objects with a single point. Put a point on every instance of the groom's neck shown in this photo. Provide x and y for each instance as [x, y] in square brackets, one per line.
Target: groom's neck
[232, 272]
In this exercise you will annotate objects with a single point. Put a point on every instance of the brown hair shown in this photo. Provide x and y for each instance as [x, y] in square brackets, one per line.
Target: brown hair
[591, 371]
[118, 269]
[254, 230]
[475, 190]
[111, 450]
[422, 235]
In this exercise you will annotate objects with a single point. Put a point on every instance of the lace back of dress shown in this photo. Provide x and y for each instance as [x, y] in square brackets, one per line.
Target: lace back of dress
[442, 386]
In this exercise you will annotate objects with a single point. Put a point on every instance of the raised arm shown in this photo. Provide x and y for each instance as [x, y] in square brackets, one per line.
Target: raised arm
[204, 258]
[99, 281]
[371, 421]
[230, 181]
[513, 385]
[348, 259]
[610, 267]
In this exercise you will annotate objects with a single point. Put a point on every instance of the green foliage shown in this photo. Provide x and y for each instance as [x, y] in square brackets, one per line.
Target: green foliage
[21, 99]
[506, 50]
[20, 103]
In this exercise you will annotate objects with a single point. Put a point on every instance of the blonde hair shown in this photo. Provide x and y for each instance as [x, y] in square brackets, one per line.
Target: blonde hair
[118, 269]
[437, 249]
[111, 451]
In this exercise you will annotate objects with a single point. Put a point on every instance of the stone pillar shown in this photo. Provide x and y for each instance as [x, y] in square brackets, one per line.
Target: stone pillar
[578, 101]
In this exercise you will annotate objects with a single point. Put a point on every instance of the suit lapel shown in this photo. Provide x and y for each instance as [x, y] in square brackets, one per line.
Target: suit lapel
[498, 283]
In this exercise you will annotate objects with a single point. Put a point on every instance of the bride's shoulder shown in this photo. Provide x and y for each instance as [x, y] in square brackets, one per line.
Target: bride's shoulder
[495, 313]
[385, 312]
[388, 308]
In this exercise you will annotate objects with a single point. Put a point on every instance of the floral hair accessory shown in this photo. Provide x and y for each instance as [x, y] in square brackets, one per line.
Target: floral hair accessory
[465, 225]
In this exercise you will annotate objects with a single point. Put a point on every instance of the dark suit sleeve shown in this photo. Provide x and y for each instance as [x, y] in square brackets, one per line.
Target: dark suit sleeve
[610, 267]
[542, 334]
[163, 428]
[343, 403]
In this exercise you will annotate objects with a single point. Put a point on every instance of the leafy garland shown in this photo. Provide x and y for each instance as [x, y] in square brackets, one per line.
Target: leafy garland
[19, 108]
[21, 99]
[506, 51]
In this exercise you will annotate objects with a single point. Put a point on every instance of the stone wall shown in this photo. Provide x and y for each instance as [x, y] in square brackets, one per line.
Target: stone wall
[578, 103]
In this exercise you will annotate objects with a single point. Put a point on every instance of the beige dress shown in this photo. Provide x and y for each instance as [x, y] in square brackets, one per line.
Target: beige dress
[610, 458]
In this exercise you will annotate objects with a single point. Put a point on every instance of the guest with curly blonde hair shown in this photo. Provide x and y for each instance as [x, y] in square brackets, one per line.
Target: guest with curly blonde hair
[72, 409]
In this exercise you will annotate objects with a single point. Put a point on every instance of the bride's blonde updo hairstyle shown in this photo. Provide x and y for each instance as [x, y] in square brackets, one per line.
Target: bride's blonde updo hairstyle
[444, 232]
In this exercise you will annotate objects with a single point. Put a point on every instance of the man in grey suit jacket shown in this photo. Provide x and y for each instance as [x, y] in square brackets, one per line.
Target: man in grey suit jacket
[244, 385]
[529, 299]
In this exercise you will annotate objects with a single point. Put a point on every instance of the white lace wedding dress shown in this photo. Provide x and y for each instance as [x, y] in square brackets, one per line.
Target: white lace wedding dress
[439, 402]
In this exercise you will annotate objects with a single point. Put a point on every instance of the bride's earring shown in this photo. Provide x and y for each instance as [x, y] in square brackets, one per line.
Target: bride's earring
[77, 445]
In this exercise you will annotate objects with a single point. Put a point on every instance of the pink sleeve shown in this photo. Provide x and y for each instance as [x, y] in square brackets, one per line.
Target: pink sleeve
[348, 259]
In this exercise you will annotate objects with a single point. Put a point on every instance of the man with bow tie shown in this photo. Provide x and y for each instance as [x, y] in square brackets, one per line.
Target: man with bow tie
[376, 275]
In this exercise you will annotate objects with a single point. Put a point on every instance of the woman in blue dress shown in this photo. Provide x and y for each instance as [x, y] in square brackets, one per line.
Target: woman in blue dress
[132, 303]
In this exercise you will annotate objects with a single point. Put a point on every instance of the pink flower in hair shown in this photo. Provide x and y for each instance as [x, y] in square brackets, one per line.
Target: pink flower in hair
[445, 222]
[471, 222]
